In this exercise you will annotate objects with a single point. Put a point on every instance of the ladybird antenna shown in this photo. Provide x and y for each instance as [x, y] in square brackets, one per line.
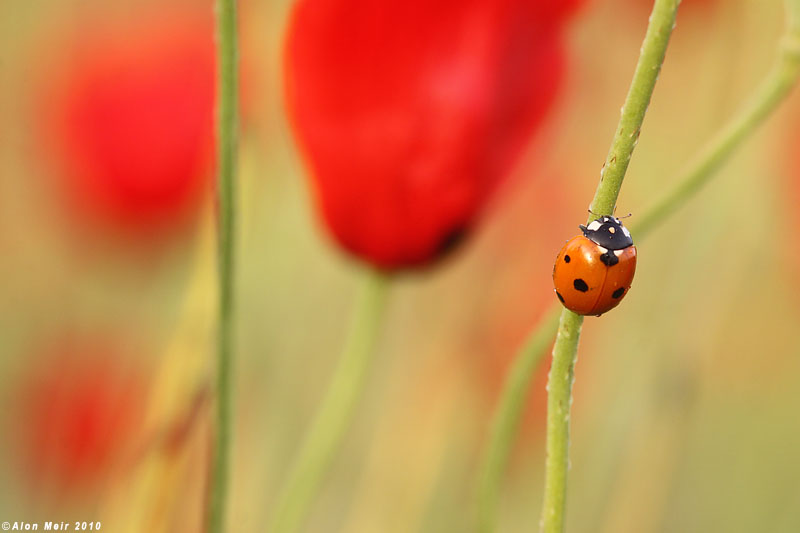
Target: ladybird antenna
[626, 216]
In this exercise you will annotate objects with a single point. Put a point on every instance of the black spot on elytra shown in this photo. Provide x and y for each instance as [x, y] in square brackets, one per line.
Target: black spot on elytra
[580, 285]
[567, 259]
[609, 258]
[451, 240]
[618, 293]
[560, 297]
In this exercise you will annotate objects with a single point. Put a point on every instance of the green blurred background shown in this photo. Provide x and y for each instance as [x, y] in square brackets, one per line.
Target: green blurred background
[686, 399]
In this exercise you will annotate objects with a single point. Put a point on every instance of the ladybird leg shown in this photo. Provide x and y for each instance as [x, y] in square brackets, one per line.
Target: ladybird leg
[609, 258]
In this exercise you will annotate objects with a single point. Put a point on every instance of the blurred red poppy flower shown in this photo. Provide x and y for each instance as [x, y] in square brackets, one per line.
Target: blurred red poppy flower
[79, 406]
[411, 113]
[128, 112]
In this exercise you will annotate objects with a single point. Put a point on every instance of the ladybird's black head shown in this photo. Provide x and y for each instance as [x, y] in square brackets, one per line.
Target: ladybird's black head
[608, 232]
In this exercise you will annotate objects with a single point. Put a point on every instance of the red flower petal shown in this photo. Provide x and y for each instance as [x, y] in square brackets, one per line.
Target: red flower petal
[130, 116]
[411, 113]
[80, 405]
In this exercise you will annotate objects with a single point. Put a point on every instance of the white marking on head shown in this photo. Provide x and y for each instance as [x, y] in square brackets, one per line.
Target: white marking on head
[626, 232]
[602, 250]
[611, 229]
[594, 226]
[618, 253]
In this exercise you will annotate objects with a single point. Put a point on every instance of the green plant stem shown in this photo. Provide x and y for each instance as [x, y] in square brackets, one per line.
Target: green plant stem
[227, 144]
[337, 409]
[772, 91]
[565, 350]
[654, 47]
[508, 414]
[559, 402]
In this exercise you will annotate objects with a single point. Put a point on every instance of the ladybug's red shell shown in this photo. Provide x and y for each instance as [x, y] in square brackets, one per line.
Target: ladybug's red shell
[588, 280]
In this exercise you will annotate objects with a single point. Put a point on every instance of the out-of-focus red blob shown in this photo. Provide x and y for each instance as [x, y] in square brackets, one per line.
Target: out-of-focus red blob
[79, 406]
[129, 115]
[411, 112]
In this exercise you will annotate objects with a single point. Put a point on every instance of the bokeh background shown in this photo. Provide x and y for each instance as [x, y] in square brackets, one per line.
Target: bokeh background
[686, 399]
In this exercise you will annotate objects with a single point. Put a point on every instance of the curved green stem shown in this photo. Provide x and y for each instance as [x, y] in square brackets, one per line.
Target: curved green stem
[337, 409]
[227, 143]
[565, 350]
[772, 91]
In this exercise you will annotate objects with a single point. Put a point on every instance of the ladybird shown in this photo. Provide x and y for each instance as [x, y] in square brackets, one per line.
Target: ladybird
[594, 271]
